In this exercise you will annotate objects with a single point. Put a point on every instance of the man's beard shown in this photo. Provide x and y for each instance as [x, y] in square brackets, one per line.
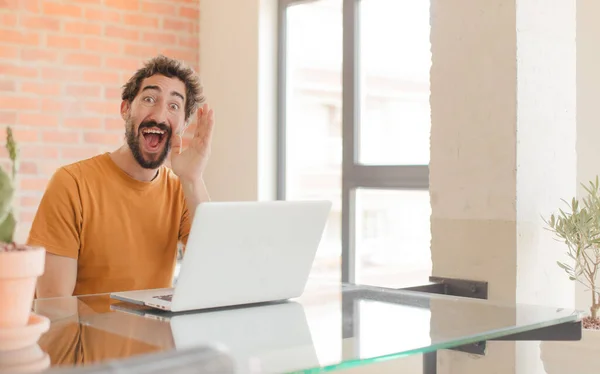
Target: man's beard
[133, 141]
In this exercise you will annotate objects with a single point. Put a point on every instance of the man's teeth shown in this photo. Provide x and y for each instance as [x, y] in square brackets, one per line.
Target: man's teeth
[153, 131]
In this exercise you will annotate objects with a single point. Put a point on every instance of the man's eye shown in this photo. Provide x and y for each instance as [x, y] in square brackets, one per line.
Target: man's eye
[174, 106]
[149, 99]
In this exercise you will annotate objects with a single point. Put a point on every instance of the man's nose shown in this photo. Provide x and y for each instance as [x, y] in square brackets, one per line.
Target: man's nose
[159, 114]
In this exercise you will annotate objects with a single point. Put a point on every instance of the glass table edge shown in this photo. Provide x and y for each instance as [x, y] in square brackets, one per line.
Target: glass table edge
[468, 339]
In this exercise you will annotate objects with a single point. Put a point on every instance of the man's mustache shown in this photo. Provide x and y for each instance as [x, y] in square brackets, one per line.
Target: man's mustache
[151, 124]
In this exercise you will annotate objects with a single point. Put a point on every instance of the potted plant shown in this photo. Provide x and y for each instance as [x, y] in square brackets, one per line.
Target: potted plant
[578, 227]
[20, 265]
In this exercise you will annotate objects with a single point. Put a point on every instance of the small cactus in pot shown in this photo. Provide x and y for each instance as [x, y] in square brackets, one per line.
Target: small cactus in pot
[20, 265]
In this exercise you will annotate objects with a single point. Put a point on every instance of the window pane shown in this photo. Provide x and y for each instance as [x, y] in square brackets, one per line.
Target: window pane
[395, 58]
[393, 237]
[314, 118]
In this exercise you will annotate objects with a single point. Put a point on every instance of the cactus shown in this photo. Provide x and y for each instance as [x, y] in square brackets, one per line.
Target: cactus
[7, 191]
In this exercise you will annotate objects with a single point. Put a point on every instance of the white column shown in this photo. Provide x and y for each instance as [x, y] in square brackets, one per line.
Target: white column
[588, 94]
[503, 154]
[238, 56]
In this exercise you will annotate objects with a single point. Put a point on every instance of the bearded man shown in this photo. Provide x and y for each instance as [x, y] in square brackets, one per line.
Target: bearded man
[113, 222]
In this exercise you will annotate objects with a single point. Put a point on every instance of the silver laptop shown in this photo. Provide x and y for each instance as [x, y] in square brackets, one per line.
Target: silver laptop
[242, 253]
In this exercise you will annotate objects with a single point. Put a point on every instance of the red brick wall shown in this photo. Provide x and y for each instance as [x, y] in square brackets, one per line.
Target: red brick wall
[62, 65]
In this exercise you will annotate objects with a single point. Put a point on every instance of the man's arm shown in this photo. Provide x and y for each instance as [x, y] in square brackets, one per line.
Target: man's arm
[59, 278]
[195, 192]
[57, 228]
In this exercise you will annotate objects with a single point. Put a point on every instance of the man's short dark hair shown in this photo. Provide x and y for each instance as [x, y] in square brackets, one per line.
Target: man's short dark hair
[169, 68]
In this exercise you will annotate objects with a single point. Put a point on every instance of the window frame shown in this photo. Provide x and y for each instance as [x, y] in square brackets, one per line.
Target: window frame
[354, 174]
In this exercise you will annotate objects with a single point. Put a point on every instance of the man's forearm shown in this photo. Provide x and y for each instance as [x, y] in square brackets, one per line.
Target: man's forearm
[195, 192]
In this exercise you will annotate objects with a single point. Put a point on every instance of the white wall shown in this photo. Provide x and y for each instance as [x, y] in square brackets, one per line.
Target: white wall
[237, 66]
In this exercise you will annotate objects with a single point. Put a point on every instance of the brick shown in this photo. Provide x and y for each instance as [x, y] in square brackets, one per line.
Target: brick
[27, 168]
[105, 77]
[61, 137]
[57, 73]
[33, 183]
[37, 119]
[62, 105]
[189, 42]
[83, 59]
[101, 45]
[130, 64]
[123, 5]
[63, 42]
[103, 138]
[16, 70]
[189, 12]
[37, 151]
[9, 52]
[121, 33]
[164, 9]
[23, 135]
[158, 38]
[84, 90]
[7, 85]
[142, 51]
[41, 88]
[39, 54]
[177, 25]
[19, 37]
[102, 15]
[48, 168]
[62, 10]
[12, 102]
[40, 23]
[112, 93]
[8, 118]
[8, 20]
[77, 28]
[84, 122]
[114, 123]
[102, 107]
[78, 153]
[31, 6]
[30, 201]
[140, 20]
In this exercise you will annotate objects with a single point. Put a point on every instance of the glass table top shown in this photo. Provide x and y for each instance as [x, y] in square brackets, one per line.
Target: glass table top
[332, 326]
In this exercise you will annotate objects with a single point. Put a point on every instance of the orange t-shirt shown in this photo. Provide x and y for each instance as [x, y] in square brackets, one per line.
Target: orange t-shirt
[123, 232]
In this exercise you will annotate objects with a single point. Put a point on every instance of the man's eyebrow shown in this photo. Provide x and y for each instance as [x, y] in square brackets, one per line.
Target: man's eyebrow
[173, 93]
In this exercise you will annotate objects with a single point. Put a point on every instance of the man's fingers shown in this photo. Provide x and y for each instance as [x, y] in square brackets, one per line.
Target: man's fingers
[176, 143]
[204, 119]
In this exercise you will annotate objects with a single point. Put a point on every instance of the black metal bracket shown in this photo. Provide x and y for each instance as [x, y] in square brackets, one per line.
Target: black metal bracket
[453, 287]
[568, 331]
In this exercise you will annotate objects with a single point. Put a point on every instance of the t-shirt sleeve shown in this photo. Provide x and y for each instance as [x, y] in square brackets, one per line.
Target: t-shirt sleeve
[58, 220]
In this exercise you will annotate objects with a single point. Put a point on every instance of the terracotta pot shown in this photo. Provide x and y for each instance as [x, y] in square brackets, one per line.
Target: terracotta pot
[19, 271]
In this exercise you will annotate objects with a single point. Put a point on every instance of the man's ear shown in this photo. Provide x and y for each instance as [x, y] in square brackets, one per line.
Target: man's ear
[125, 107]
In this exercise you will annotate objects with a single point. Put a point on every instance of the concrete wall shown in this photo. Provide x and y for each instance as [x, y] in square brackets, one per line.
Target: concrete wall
[238, 66]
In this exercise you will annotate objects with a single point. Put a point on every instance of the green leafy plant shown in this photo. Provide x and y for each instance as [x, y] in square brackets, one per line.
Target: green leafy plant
[579, 228]
[8, 222]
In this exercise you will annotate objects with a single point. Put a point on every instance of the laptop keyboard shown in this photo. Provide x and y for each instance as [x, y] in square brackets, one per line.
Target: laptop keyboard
[164, 297]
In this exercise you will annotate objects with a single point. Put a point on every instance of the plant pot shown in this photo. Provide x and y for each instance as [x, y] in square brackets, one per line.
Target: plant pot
[581, 357]
[31, 359]
[19, 270]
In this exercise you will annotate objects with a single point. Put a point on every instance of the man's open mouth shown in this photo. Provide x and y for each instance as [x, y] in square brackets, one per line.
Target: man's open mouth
[153, 138]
